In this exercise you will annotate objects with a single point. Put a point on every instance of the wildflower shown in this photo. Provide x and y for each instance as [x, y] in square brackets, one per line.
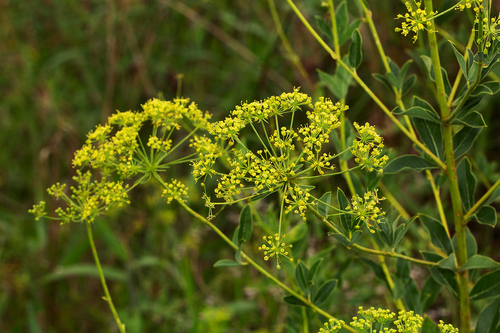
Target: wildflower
[276, 247]
[365, 208]
[300, 198]
[175, 190]
[379, 315]
[446, 328]
[408, 322]
[332, 326]
[367, 148]
[38, 210]
[415, 20]
[360, 324]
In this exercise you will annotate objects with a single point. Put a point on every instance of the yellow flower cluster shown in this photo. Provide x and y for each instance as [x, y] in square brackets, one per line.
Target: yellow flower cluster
[175, 190]
[466, 4]
[447, 328]
[299, 200]
[208, 152]
[408, 322]
[169, 113]
[415, 20]
[491, 32]
[381, 316]
[367, 148]
[258, 112]
[276, 247]
[365, 209]
[159, 144]
[332, 326]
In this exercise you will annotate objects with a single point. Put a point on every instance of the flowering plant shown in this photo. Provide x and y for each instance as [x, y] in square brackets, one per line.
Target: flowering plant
[278, 151]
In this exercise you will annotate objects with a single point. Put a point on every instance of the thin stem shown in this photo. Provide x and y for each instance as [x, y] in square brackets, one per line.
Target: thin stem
[435, 191]
[260, 268]
[461, 255]
[366, 89]
[108, 298]
[456, 84]
[481, 201]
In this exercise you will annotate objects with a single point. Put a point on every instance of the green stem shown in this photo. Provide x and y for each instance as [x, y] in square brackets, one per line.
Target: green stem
[394, 202]
[460, 234]
[368, 250]
[437, 197]
[108, 298]
[260, 268]
[366, 89]
[481, 201]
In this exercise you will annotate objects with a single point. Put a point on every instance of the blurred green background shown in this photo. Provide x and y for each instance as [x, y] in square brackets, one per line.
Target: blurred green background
[66, 65]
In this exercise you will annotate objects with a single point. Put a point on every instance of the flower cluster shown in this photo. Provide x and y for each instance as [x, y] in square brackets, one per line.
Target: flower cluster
[415, 20]
[298, 199]
[208, 152]
[447, 328]
[491, 32]
[258, 112]
[332, 326]
[175, 190]
[367, 148]
[87, 201]
[283, 153]
[365, 208]
[466, 4]
[115, 151]
[276, 247]
[408, 322]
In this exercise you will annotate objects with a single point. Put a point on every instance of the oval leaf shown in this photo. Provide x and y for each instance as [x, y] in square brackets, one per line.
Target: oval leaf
[226, 263]
[246, 225]
[488, 285]
[409, 162]
[355, 52]
[325, 291]
[479, 261]
[294, 301]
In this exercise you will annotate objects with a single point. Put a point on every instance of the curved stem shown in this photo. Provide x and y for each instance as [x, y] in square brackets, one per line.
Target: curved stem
[366, 89]
[260, 268]
[108, 298]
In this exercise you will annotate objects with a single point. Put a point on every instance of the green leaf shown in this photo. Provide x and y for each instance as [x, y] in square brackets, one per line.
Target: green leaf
[377, 269]
[323, 204]
[408, 83]
[355, 237]
[294, 301]
[428, 326]
[409, 162]
[314, 269]
[437, 232]
[323, 27]
[346, 34]
[466, 183]
[246, 225]
[429, 293]
[464, 139]
[486, 215]
[382, 79]
[226, 263]
[338, 84]
[301, 272]
[460, 59]
[400, 231]
[448, 263]
[298, 232]
[471, 119]
[340, 237]
[345, 219]
[478, 261]
[324, 291]
[418, 112]
[488, 318]
[431, 256]
[446, 278]
[235, 235]
[237, 255]
[431, 134]
[488, 285]
[355, 50]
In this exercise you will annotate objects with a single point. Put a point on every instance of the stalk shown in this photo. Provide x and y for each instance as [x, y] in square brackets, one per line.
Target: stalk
[108, 298]
[461, 255]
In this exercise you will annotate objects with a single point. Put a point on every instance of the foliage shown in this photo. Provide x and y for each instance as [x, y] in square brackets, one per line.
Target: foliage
[296, 167]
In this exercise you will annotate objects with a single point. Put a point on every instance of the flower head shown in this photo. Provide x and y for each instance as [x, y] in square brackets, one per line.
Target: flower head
[332, 326]
[276, 247]
[416, 19]
[367, 148]
[365, 208]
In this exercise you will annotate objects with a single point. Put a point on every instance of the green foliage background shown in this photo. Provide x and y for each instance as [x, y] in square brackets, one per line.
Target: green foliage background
[67, 65]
